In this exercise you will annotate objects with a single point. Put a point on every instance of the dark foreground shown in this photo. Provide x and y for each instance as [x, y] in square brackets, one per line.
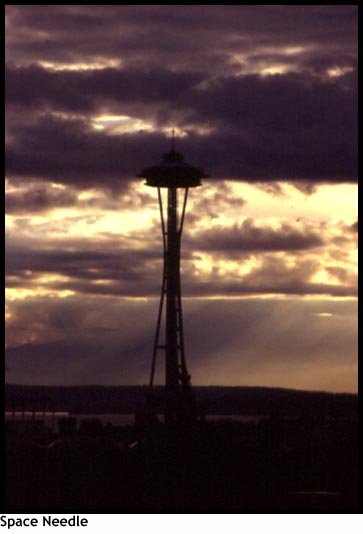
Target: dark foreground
[303, 464]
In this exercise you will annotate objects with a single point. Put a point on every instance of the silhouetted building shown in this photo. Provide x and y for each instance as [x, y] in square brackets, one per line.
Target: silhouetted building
[176, 177]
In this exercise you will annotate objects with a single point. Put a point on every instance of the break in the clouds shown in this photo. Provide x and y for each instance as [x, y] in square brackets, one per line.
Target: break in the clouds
[264, 98]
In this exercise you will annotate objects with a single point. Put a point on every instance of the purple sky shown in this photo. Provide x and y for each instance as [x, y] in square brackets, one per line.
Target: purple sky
[264, 98]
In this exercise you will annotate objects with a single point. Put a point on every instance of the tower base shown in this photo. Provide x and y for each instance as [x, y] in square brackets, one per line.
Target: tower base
[177, 407]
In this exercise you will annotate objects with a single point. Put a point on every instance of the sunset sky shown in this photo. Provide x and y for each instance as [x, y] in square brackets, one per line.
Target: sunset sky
[264, 99]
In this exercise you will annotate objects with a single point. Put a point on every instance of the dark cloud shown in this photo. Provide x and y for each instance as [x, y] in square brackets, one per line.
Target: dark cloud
[217, 203]
[249, 237]
[94, 90]
[279, 127]
[122, 269]
[300, 125]
[273, 188]
[154, 33]
[110, 266]
[274, 276]
[66, 152]
[322, 63]
[38, 199]
[341, 274]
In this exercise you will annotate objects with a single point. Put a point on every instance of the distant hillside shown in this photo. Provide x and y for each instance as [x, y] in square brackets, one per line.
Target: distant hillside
[212, 399]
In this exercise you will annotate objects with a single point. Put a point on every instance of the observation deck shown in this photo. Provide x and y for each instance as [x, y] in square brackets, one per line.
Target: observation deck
[173, 172]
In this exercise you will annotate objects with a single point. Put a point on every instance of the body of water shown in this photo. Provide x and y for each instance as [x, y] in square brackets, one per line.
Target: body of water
[50, 419]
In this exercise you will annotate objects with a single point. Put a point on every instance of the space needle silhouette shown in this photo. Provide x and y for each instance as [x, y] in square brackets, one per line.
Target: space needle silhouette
[176, 177]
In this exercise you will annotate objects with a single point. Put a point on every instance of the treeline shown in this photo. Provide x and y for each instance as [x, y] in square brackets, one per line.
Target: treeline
[216, 400]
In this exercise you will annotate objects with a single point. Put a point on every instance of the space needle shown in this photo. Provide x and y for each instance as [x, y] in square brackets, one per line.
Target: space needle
[172, 178]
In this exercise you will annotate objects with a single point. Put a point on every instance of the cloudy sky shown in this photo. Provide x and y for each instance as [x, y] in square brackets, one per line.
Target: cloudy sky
[264, 98]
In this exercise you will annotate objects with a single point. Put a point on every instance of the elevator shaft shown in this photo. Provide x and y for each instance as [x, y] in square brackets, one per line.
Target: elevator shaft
[172, 269]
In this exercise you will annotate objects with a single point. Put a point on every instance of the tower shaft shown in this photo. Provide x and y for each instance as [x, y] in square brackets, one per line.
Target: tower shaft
[172, 269]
